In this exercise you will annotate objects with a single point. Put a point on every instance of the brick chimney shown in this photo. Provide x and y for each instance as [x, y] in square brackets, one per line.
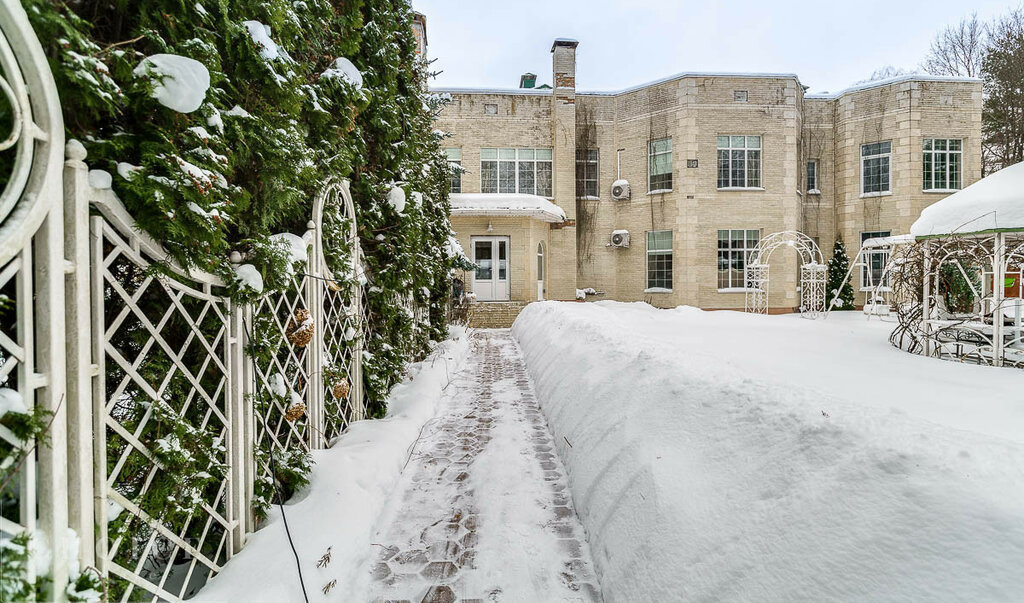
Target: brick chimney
[562, 271]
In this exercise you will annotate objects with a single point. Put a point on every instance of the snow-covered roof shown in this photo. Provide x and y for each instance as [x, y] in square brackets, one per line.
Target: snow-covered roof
[505, 204]
[991, 204]
[913, 77]
[888, 241]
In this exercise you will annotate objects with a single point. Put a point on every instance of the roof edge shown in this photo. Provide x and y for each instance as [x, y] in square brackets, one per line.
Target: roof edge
[916, 77]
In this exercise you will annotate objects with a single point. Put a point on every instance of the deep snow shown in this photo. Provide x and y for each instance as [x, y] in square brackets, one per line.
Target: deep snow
[728, 456]
[350, 484]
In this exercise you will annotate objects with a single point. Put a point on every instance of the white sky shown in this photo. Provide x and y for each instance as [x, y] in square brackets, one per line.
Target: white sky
[829, 45]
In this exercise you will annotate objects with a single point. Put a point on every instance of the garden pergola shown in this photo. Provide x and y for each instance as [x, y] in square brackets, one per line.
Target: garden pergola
[957, 288]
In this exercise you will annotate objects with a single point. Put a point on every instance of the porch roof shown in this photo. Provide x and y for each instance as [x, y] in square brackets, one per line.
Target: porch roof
[992, 204]
[506, 204]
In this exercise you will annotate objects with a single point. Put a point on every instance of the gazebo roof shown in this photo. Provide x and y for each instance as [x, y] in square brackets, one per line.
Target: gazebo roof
[992, 204]
[505, 204]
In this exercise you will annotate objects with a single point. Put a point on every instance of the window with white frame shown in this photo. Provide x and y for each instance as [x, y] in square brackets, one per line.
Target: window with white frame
[874, 167]
[586, 172]
[739, 162]
[812, 176]
[734, 249]
[659, 259]
[455, 165]
[874, 262]
[943, 164]
[516, 171]
[659, 165]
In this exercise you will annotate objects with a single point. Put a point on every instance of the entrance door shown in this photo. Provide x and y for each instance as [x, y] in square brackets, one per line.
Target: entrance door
[490, 281]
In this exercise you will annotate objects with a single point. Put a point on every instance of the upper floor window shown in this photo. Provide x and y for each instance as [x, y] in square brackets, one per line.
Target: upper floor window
[739, 96]
[586, 172]
[659, 260]
[516, 171]
[734, 249]
[739, 162]
[812, 176]
[874, 167]
[659, 165]
[943, 161]
[455, 165]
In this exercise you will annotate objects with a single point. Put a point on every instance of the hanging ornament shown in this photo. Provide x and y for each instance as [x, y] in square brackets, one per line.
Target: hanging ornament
[300, 328]
[341, 388]
[295, 412]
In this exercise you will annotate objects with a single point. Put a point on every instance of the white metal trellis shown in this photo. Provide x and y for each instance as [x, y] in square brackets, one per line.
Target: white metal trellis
[32, 279]
[812, 273]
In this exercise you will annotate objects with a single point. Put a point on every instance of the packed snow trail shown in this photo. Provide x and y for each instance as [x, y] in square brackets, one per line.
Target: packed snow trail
[483, 512]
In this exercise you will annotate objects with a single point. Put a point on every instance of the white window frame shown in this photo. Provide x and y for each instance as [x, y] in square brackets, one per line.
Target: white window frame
[813, 190]
[932, 152]
[517, 157]
[586, 161]
[865, 158]
[651, 154]
[454, 156]
[659, 252]
[748, 247]
[746, 148]
[869, 255]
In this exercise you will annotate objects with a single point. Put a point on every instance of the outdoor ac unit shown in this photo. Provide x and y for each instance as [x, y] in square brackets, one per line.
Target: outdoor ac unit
[620, 190]
[620, 238]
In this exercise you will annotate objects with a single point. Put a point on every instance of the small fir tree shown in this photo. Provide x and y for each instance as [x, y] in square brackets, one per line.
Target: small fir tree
[838, 287]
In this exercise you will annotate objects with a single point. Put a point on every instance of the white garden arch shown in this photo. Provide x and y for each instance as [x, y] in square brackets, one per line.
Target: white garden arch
[812, 272]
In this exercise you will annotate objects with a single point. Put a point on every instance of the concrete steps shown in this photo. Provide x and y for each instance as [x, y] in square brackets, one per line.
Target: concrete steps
[494, 315]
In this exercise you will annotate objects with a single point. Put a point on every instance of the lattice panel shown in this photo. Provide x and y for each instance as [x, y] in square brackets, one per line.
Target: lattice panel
[18, 501]
[342, 348]
[166, 419]
[812, 290]
[279, 362]
[756, 284]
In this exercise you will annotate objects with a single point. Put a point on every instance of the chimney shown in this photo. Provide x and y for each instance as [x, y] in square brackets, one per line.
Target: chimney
[562, 242]
[528, 80]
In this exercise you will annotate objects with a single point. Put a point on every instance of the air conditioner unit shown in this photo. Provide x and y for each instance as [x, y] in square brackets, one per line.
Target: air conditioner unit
[620, 238]
[620, 190]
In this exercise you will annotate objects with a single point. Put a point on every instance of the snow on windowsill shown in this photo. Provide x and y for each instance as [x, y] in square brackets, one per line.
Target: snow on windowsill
[737, 290]
[741, 188]
[882, 194]
[660, 191]
[880, 289]
[941, 191]
[590, 198]
[814, 191]
[657, 290]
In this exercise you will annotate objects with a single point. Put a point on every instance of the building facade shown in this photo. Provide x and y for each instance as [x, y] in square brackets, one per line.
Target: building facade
[711, 162]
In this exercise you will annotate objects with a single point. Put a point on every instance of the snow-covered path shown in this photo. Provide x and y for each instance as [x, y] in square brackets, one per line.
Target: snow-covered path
[483, 512]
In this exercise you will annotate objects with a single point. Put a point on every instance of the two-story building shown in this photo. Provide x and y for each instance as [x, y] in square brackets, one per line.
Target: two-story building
[660, 192]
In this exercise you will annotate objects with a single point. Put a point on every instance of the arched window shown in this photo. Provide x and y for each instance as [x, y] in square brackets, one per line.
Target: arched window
[540, 261]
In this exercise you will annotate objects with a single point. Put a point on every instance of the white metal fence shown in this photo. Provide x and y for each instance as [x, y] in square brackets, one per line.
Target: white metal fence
[158, 392]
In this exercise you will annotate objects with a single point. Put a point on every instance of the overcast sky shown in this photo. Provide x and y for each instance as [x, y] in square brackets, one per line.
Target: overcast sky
[829, 45]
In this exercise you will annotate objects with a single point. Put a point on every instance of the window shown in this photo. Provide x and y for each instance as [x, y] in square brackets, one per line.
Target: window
[659, 260]
[516, 171]
[874, 260]
[540, 261]
[943, 158]
[586, 172]
[812, 176]
[659, 165]
[739, 96]
[734, 249]
[739, 162]
[455, 165]
[874, 167]
[490, 109]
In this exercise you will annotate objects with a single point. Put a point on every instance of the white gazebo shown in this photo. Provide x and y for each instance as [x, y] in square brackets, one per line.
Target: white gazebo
[958, 286]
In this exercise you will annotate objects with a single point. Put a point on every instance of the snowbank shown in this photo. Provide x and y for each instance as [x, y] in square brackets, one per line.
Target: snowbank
[350, 484]
[992, 203]
[726, 456]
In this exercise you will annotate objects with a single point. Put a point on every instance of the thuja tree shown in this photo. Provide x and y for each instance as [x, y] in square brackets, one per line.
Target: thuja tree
[219, 120]
[838, 290]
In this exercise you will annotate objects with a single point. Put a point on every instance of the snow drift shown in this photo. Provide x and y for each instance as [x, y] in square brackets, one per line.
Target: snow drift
[701, 474]
[349, 486]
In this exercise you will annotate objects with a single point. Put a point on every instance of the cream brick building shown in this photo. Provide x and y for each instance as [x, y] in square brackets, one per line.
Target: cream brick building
[713, 161]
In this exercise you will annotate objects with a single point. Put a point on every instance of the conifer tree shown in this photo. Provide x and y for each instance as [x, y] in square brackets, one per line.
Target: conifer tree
[838, 290]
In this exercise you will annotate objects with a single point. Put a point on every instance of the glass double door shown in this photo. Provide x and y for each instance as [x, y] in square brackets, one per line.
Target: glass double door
[490, 280]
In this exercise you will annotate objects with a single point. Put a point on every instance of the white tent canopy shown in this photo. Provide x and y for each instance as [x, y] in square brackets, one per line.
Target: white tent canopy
[995, 203]
[505, 204]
